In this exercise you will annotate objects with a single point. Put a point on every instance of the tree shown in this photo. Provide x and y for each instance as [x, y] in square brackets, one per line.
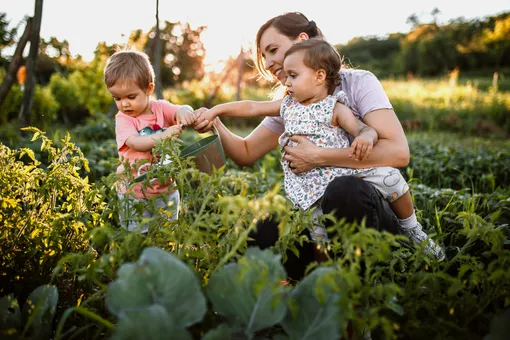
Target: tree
[240, 66]
[413, 20]
[435, 13]
[15, 62]
[7, 37]
[157, 56]
[183, 52]
[499, 41]
[26, 107]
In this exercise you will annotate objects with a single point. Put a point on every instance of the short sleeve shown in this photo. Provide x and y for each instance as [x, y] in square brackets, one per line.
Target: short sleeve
[370, 95]
[168, 109]
[274, 124]
[124, 128]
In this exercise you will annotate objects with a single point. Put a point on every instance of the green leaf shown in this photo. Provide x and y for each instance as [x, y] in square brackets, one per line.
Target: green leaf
[10, 318]
[158, 278]
[249, 293]
[151, 323]
[39, 310]
[316, 310]
[222, 332]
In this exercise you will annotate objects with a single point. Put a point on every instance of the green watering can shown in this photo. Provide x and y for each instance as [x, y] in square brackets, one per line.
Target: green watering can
[208, 154]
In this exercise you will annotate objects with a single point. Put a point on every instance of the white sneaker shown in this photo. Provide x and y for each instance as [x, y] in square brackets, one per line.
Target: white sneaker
[418, 236]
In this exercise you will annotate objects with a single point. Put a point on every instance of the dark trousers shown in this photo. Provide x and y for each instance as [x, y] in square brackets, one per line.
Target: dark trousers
[347, 197]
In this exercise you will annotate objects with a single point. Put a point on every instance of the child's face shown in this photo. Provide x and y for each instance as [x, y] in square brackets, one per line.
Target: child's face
[302, 82]
[130, 99]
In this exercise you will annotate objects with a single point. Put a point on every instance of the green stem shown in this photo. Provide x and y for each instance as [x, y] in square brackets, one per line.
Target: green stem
[234, 249]
[93, 296]
[464, 248]
[84, 312]
[202, 207]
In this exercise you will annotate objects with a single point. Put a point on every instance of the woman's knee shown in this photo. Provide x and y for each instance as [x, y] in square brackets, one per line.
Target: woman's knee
[266, 233]
[353, 198]
[349, 197]
[347, 188]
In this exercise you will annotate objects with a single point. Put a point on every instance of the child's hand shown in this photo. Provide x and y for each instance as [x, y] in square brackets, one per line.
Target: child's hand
[202, 125]
[173, 131]
[361, 147]
[208, 115]
[186, 116]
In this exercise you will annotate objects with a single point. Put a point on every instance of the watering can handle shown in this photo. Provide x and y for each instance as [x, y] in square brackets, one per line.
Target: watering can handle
[215, 130]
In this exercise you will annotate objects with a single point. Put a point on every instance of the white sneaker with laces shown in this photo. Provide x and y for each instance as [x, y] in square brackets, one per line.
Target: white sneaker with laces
[418, 236]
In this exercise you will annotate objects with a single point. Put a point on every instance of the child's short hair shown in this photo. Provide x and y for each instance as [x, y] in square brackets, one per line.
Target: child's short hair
[319, 54]
[129, 65]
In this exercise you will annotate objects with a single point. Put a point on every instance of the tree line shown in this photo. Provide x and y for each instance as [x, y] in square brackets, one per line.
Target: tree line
[430, 49]
[68, 89]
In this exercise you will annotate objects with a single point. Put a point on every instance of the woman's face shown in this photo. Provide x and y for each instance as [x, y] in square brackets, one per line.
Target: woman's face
[273, 46]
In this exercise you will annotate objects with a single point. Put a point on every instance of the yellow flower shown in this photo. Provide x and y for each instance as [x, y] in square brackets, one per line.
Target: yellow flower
[78, 303]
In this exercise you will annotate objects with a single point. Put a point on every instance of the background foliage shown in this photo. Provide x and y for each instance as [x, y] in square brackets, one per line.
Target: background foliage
[67, 269]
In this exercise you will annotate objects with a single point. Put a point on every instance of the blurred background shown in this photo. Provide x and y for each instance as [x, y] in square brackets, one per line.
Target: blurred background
[444, 65]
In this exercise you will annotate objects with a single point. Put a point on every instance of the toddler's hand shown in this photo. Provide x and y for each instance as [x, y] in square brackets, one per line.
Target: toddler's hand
[361, 147]
[173, 131]
[186, 116]
[207, 114]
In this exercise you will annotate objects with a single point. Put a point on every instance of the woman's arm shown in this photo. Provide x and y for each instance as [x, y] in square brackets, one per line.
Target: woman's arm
[391, 149]
[245, 151]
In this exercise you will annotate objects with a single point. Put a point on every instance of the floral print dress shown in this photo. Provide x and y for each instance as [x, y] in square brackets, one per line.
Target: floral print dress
[314, 122]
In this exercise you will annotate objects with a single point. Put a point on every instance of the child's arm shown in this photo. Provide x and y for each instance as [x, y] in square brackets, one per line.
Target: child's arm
[366, 137]
[244, 109]
[146, 143]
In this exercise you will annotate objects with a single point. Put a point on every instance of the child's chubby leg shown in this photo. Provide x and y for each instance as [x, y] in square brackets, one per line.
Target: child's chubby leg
[170, 203]
[134, 210]
[390, 182]
[318, 234]
[129, 212]
[403, 206]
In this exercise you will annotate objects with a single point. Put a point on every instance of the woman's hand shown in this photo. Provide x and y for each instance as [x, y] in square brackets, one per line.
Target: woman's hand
[202, 124]
[301, 156]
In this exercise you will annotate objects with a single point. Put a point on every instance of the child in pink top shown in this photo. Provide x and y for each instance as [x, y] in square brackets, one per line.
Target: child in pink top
[129, 77]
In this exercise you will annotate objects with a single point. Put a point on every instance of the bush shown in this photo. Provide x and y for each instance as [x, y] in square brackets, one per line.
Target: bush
[46, 210]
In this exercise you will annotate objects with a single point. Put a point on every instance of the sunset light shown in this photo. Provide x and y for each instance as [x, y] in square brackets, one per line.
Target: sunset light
[159, 180]
[231, 25]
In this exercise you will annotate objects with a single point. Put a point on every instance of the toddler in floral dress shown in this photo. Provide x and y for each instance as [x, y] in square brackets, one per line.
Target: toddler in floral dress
[311, 108]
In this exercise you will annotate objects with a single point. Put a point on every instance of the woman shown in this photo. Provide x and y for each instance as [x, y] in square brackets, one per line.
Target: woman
[348, 197]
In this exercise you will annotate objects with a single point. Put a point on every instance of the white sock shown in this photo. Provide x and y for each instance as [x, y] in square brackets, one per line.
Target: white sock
[408, 223]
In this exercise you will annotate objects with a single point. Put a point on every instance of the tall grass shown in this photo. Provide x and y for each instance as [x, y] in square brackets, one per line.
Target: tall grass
[445, 105]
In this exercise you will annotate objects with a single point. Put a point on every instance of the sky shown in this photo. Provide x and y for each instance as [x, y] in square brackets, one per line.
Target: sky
[232, 23]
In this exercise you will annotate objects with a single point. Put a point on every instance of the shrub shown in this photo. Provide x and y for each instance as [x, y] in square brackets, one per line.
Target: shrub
[45, 211]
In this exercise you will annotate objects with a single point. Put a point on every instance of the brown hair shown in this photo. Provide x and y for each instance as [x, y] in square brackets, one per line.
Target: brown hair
[129, 65]
[320, 55]
[290, 24]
